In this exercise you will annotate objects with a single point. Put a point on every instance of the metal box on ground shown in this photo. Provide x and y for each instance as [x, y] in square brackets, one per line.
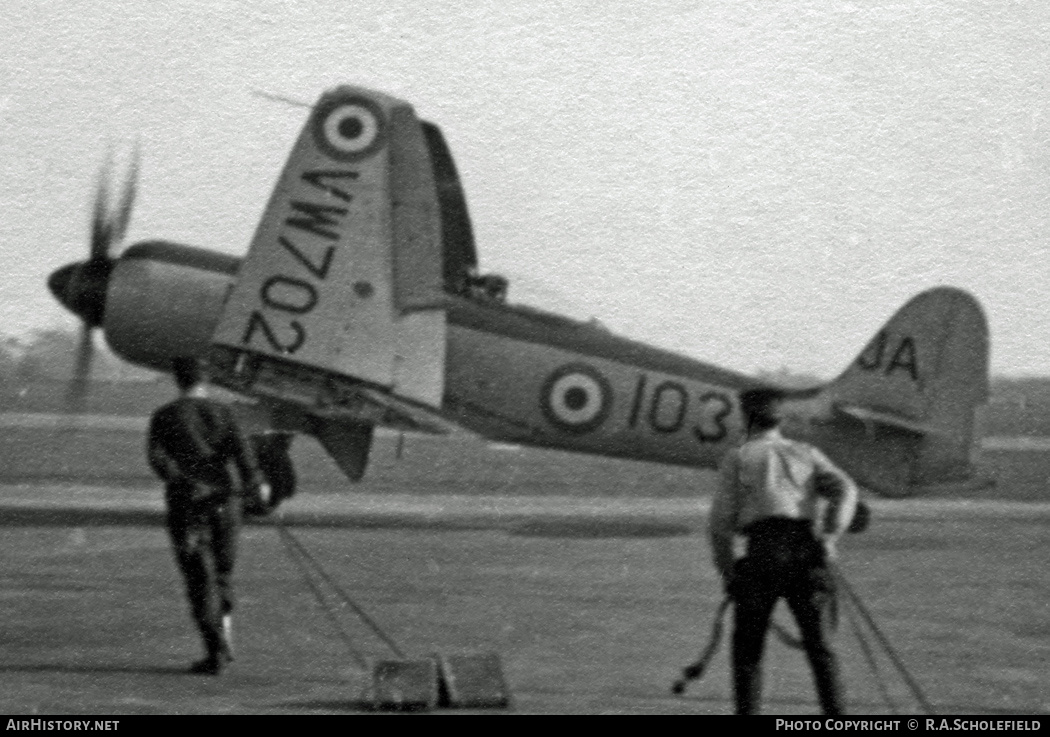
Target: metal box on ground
[472, 681]
[403, 685]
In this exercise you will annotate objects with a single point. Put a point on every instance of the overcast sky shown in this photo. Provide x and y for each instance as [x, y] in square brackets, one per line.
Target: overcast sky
[755, 184]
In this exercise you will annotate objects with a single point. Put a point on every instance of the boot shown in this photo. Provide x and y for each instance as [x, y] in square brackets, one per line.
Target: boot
[212, 665]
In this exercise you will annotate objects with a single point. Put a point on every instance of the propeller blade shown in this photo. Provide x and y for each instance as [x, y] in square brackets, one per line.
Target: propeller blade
[101, 227]
[76, 394]
[127, 199]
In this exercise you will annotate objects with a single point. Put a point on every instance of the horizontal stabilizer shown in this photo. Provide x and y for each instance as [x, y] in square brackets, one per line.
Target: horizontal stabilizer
[888, 419]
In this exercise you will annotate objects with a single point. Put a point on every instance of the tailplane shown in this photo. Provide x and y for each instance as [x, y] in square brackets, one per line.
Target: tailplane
[903, 415]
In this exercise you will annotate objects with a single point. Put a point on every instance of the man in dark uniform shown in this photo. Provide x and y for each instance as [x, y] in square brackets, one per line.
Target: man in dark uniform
[192, 442]
[791, 503]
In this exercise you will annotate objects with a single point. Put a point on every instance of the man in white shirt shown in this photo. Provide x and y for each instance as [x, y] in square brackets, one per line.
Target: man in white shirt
[791, 503]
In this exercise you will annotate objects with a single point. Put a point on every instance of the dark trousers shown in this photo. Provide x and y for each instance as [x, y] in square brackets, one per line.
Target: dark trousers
[784, 560]
[204, 536]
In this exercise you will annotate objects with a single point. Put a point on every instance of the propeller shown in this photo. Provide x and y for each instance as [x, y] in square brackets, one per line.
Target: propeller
[76, 392]
[81, 287]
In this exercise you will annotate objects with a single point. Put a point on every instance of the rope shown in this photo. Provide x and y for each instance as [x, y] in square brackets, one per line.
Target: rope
[785, 637]
[290, 540]
[894, 658]
[319, 595]
[695, 670]
[795, 643]
[870, 657]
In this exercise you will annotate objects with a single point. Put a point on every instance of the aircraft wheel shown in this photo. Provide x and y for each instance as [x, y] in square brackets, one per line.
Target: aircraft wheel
[276, 466]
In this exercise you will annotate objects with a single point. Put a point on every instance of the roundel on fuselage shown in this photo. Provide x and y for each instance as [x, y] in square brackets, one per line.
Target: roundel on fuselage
[576, 398]
[349, 128]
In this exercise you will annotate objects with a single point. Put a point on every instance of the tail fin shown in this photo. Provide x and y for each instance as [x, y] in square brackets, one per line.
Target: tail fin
[904, 411]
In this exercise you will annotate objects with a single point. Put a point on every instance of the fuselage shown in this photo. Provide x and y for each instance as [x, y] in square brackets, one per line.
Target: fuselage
[512, 373]
[516, 374]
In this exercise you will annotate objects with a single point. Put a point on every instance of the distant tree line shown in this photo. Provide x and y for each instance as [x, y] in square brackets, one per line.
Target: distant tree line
[49, 355]
[785, 377]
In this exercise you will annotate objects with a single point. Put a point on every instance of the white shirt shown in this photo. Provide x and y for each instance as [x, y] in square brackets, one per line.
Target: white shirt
[772, 476]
